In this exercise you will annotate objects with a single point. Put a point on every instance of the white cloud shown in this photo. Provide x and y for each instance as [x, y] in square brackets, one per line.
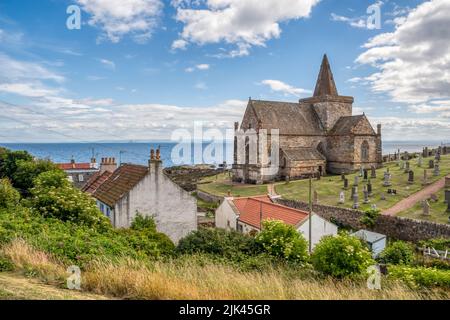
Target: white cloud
[286, 89]
[108, 63]
[118, 18]
[241, 23]
[359, 22]
[201, 86]
[202, 67]
[27, 89]
[413, 62]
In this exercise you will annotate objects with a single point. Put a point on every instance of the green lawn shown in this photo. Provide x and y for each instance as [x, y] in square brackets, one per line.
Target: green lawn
[221, 184]
[328, 188]
[437, 211]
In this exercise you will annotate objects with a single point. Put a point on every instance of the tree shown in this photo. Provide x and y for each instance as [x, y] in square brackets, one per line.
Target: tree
[341, 256]
[53, 196]
[27, 171]
[398, 252]
[8, 162]
[370, 217]
[282, 241]
[9, 197]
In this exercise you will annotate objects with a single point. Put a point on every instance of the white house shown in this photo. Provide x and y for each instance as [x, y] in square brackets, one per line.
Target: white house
[246, 214]
[133, 189]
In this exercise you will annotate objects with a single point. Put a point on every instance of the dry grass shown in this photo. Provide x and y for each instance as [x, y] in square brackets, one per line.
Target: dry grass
[184, 279]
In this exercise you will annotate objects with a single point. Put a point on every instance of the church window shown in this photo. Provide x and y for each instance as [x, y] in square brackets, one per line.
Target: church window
[365, 151]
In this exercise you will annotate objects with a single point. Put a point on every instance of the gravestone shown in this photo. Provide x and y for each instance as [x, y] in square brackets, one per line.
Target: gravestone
[366, 195]
[356, 181]
[366, 174]
[316, 197]
[402, 165]
[373, 172]
[407, 167]
[437, 171]
[420, 161]
[342, 197]
[369, 188]
[373, 206]
[447, 196]
[383, 196]
[406, 155]
[447, 182]
[425, 152]
[355, 201]
[431, 164]
[425, 208]
[354, 191]
[434, 197]
[448, 209]
[437, 157]
[387, 179]
[361, 171]
[342, 176]
[345, 183]
[444, 150]
[425, 177]
[411, 177]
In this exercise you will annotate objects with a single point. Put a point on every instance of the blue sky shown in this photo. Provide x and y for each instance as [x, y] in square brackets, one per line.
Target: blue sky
[141, 69]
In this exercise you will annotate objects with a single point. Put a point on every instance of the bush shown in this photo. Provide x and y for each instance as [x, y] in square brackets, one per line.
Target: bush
[370, 217]
[282, 241]
[341, 256]
[27, 171]
[421, 277]
[438, 244]
[9, 197]
[54, 197]
[220, 242]
[398, 252]
[8, 161]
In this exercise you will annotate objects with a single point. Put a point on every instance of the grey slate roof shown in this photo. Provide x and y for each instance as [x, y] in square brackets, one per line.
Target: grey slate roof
[290, 118]
[369, 236]
[303, 154]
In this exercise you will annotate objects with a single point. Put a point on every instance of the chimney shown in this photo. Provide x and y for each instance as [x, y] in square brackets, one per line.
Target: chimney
[108, 164]
[379, 129]
[155, 162]
[93, 163]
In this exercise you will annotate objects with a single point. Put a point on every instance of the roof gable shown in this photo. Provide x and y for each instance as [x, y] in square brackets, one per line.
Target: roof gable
[352, 125]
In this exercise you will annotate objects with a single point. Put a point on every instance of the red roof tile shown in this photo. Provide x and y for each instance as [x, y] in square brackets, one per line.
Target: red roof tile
[250, 212]
[96, 181]
[75, 166]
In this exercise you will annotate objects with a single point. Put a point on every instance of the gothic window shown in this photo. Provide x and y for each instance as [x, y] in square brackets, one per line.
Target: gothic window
[365, 151]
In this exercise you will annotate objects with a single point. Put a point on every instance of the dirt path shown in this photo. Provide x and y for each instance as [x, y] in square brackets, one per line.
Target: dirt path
[409, 202]
[17, 287]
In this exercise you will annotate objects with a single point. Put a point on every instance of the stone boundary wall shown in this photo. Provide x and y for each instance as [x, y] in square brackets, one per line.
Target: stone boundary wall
[208, 197]
[394, 227]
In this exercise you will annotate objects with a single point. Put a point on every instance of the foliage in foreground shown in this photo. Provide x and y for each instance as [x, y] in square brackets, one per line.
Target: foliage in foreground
[420, 276]
[341, 256]
[398, 252]
[282, 241]
[9, 197]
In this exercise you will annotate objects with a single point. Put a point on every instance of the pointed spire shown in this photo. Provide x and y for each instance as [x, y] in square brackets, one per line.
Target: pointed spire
[325, 82]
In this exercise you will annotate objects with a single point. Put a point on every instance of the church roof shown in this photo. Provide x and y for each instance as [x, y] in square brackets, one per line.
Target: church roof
[347, 125]
[291, 118]
[303, 154]
[325, 85]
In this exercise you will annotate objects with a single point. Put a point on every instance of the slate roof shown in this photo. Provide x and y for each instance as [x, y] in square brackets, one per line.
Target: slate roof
[250, 212]
[96, 181]
[291, 118]
[345, 125]
[325, 85]
[303, 154]
[119, 183]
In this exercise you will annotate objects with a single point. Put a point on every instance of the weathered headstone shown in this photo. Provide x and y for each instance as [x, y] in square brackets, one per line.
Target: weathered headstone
[356, 181]
[387, 179]
[447, 182]
[420, 161]
[366, 174]
[354, 191]
[425, 177]
[383, 196]
[411, 177]
[342, 176]
[407, 167]
[431, 164]
[366, 195]
[355, 201]
[345, 183]
[447, 196]
[316, 197]
[444, 150]
[373, 172]
[342, 197]
[361, 171]
[406, 155]
[425, 152]
[437, 170]
[425, 208]
[369, 188]
[437, 157]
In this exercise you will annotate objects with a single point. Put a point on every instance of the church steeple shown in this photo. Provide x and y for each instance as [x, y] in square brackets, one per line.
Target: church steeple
[325, 82]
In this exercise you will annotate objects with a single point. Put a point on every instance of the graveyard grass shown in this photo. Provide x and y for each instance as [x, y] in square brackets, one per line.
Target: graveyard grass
[438, 211]
[329, 187]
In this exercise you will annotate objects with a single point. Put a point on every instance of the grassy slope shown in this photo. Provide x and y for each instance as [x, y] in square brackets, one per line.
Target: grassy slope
[221, 184]
[14, 286]
[438, 211]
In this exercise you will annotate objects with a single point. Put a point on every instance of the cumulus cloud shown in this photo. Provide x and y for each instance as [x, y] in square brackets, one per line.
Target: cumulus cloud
[118, 18]
[240, 23]
[202, 66]
[284, 88]
[413, 61]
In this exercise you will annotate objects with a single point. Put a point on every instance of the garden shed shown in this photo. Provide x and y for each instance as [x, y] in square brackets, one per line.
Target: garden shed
[375, 241]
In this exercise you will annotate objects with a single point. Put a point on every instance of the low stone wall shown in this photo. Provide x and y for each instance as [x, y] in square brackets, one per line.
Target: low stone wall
[394, 227]
[208, 197]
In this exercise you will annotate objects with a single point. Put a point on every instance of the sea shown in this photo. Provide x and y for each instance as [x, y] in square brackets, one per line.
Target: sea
[138, 152]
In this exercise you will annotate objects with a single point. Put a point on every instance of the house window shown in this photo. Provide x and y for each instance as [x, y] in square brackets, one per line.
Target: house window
[70, 178]
[108, 212]
[102, 207]
[80, 178]
[239, 228]
[365, 151]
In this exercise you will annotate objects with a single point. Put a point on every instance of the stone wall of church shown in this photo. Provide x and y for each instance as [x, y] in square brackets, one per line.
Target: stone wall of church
[330, 112]
[372, 156]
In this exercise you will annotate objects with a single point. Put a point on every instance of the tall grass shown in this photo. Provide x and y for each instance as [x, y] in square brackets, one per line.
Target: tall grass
[190, 279]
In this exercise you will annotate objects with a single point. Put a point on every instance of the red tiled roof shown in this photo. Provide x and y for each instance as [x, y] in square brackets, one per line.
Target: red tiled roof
[96, 181]
[119, 183]
[250, 211]
[75, 166]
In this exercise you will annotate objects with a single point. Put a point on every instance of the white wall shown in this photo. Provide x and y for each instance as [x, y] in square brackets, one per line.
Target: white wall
[225, 217]
[174, 210]
[320, 227]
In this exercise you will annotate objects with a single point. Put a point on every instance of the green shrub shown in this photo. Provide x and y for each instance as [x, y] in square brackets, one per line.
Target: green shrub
[420, 276]
[9, 197]
[27, 171]
[341, 256]
[438, 243]
[219, 242]
[54, 197]
[370, 217]
[398, 252]
[283, 241]
[8, 162]
[5, 265]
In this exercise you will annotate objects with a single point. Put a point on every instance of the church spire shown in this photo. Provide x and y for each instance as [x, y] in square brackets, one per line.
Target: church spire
[325, 82]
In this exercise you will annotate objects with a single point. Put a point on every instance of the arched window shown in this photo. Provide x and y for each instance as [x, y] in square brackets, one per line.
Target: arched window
[365, 151]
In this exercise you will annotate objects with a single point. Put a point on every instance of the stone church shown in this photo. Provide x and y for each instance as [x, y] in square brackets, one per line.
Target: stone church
[317, 135]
